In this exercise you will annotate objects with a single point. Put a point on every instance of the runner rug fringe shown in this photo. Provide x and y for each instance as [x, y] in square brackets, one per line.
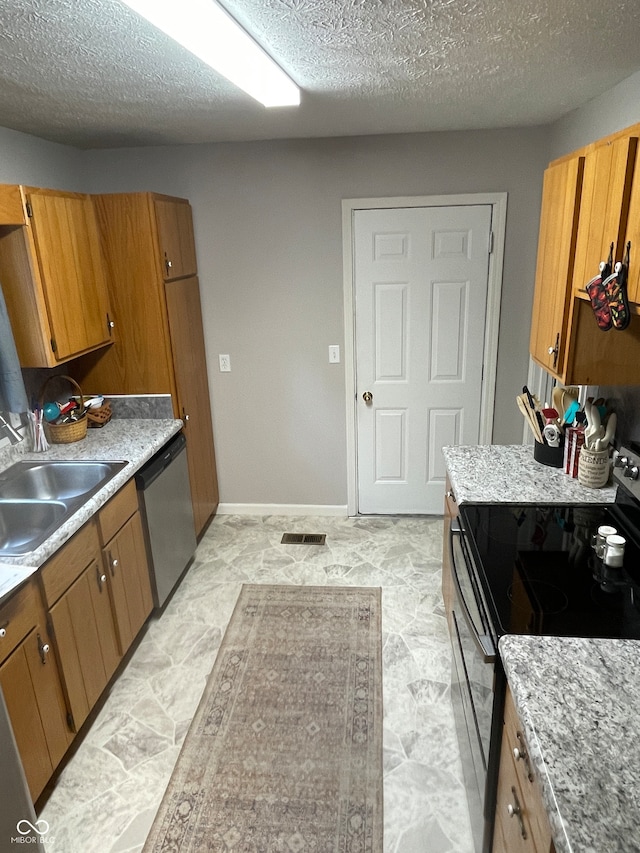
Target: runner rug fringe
[285, 750]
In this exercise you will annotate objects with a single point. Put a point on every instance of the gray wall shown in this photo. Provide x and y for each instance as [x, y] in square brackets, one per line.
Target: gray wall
[28, 160]
[269, 242]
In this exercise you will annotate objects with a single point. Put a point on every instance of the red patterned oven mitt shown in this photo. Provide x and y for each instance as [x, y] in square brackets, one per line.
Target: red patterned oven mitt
[599, 301]
[615, 289]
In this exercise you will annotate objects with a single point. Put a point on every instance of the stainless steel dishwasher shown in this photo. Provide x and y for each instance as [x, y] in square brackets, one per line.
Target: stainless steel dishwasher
[165, 504]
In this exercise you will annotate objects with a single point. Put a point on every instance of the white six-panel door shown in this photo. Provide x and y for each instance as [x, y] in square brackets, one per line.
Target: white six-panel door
[420, 284]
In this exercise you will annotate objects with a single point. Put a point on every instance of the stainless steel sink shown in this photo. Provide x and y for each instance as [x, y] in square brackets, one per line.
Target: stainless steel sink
[26, 524]
[37, 497]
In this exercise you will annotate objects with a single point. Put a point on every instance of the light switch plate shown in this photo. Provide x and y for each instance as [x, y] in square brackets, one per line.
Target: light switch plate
[334, 354]
[225, 363]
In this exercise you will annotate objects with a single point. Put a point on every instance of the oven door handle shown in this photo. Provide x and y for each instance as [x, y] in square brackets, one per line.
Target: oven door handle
[483, 642]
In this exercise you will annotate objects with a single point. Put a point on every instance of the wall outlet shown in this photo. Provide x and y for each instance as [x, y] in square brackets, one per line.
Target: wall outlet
[225, 363]
[334, 354]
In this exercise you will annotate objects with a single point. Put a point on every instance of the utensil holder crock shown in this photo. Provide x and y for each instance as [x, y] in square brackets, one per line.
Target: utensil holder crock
[594, 468]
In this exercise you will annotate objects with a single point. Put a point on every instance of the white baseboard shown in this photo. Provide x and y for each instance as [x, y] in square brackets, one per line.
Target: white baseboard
[283, 509]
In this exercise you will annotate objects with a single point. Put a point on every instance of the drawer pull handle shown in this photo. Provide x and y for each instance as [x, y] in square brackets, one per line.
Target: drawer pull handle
[520, 753]
[516, 811]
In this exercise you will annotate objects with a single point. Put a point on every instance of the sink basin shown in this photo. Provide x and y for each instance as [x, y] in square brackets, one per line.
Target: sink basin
[55, 481]
[37, 497]
[26, 524]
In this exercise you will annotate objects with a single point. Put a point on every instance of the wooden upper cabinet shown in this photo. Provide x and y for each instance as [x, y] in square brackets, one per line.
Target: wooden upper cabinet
[554, 271]
[12, 211]
[53, 278]
[187, 341]
[175, 238]
[633, 236]
[160, 343]
[581, 217]
[604, 209]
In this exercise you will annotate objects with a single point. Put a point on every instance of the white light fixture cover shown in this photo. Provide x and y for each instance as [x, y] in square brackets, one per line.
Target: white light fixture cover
[210, 33]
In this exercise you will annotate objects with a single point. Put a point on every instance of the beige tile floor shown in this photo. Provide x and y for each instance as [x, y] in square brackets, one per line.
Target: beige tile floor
[106, 796]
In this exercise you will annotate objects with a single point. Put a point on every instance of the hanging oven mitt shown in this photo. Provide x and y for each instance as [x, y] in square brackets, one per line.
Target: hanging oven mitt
[598, 296]
[615, 288]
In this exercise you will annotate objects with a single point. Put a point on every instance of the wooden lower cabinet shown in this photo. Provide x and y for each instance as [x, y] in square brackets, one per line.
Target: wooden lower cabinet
[30, 682]
[54, 666]
[125, 561]
[98, 592]
[521, 822]
[82, 622]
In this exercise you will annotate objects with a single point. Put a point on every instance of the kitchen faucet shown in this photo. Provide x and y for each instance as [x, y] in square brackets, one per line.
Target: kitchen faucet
[12, 434]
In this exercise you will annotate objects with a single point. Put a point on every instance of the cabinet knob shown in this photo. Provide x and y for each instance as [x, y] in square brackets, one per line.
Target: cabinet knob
[44, 649]
[103, 578]
[3, 633]
[115, 564]
[514, 810]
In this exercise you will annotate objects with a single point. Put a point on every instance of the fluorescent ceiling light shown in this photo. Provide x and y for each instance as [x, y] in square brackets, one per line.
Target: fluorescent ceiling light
[209, 32]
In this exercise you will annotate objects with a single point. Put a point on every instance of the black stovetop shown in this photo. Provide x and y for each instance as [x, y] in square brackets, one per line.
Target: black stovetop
[540, 573]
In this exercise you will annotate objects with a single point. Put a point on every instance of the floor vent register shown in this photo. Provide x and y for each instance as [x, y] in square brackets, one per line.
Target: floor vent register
[303, 539]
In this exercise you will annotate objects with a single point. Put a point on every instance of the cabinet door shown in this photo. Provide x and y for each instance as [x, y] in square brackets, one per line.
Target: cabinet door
[554, 270]
[604, 207]
[71, 268]
[126, 561]
[175, 237]
[633, 236]
[86, 639]
[22, 705]
[187, 343]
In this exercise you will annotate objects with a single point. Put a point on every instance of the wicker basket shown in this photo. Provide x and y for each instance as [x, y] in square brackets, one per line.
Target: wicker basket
[100, 416]
[71, 431]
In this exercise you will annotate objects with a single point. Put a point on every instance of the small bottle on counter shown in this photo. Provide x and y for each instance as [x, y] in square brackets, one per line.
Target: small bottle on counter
[614, 550]
[599, 541]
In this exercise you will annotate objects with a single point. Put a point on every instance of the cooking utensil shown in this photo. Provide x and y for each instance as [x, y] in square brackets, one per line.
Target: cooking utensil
[538, 417]
[610, 431]
[523, 405]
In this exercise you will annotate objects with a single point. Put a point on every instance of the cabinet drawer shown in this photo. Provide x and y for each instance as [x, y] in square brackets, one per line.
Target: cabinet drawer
[17, 617]
[117, 511]
[68, 564]
[515, 744]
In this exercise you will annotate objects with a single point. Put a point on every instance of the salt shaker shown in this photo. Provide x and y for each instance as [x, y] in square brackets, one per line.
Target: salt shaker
[614, 550]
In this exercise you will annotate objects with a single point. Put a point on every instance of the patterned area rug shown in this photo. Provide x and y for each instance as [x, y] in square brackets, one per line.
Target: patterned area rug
[285, 750]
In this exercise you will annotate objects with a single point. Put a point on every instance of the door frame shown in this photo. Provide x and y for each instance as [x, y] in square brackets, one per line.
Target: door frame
[498, 202]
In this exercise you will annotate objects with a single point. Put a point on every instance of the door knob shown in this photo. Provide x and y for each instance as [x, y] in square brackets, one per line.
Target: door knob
[367, 396]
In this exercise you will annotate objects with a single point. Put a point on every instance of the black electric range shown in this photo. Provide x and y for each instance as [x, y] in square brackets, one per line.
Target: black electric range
[539, 571]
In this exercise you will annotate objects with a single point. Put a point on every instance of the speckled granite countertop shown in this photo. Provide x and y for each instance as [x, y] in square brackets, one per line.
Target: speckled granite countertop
[578, 702]
[496, 473]
[131, 440]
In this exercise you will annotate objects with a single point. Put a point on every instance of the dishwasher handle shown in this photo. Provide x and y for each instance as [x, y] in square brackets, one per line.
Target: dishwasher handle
[158, 463]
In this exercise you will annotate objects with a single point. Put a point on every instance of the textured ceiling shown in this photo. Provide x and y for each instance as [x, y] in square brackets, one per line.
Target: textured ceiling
[91, 73]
